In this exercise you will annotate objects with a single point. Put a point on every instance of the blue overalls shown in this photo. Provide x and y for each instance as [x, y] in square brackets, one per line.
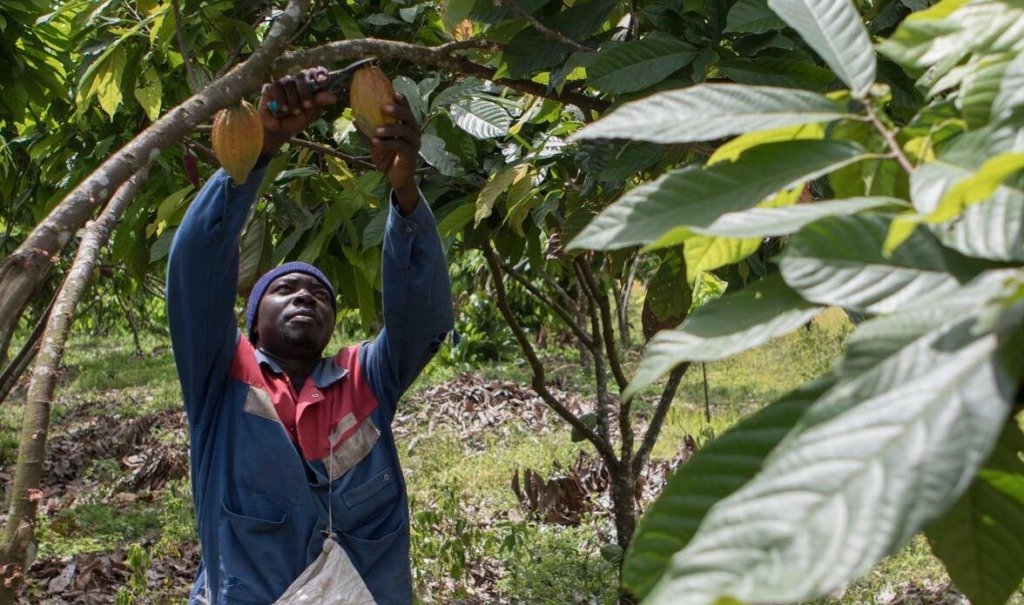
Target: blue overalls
[261, 505]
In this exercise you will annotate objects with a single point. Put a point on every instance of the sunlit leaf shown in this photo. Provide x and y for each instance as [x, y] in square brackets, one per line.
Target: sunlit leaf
[695, 197]
[834, 29]
[712, 111]
[637, 64]
[734, 323]
[716, 471]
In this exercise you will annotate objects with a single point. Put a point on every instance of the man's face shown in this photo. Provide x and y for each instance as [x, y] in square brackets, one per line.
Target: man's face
[295, 317]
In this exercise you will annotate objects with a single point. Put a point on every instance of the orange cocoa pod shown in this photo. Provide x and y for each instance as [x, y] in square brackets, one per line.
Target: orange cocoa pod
[237, 140]
[371, 90]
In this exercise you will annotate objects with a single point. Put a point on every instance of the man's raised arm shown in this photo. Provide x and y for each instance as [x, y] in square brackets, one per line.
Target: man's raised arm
[416, 287]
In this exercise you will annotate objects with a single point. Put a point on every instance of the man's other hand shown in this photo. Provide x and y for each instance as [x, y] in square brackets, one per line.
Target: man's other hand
[299, 106]
[394, 149]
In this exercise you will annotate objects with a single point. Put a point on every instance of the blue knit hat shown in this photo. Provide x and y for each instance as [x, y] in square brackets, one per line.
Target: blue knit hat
[264, 282]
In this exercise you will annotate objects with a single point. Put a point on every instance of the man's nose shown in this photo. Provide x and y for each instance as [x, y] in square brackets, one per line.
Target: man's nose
[304, 297]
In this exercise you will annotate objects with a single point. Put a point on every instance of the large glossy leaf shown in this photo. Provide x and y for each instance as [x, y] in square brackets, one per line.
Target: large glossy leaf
[752, 17]
[834, 29]
[981, 86]
[712, 111]
[482, 119]
[695, 197]
[718, 470]
[726, 326]
[907, 436]
[981, 539]
[775, 71]
[1011, 90]
[634, 65]
[769, 222]
[839, 261]
[975, 188]
[993, 229]
[938, 39]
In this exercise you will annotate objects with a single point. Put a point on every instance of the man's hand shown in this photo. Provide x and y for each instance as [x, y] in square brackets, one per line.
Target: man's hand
[394, 149]
[299, 106]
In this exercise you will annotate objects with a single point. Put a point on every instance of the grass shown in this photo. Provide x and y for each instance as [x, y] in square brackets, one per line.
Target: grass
[468, 530]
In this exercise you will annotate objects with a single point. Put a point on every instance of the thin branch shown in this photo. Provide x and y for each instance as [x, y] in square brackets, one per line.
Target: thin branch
[544, 29]
[606, 325]
[561, 311]
[440, 56]
[602, 445]
[193, 83]
[324, 149]
[202, 150]
[654, 429]
[600, 378]
[890, 139]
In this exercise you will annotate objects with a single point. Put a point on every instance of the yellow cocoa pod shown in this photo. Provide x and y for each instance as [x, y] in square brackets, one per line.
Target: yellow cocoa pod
[371, 91]
[237, 140]
[463, 31]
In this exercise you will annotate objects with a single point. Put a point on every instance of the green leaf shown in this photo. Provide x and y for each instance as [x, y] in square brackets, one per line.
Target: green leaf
[905, 437]
[706, 288]
[732, 150]
[752, 17]
[1011, 89]
[729, 325]
[482, 119]
[107, 82]
[939, 38]
[770, 222]
[251, 252]
[668, 297]
[455, 220]
[695, 197]
[978, 187]
[774, 71]
[590, 420]
[981, 539]
[981, 86]
[433, 152]
[993, 229]
[495, 187]
[150, 94]
[715, 472]
[708, 252]
[712, 111]
[634, 65]
[839, 261]
[834, 29]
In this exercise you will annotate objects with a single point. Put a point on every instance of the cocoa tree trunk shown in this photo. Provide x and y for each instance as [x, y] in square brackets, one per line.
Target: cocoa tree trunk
[23, 272]
[18, 546]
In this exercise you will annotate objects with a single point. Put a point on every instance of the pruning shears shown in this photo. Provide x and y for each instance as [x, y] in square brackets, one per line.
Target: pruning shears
[337, 82]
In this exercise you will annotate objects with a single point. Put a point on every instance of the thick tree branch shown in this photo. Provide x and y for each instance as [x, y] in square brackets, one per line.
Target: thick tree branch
[602, 445]
[440, 56]
[658, 419]
[558, 36]
[19, 533]
[24, 270]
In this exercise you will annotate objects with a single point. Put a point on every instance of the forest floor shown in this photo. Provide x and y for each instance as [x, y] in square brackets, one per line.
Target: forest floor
[116, 520]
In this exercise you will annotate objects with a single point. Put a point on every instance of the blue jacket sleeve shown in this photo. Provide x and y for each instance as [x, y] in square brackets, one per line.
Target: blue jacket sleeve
[202, 281]
[417, 295]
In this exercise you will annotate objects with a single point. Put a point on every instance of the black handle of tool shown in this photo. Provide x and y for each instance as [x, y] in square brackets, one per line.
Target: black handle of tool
[337, 83]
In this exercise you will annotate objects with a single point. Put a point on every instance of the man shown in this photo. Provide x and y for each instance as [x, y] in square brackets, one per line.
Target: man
[264, 408]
